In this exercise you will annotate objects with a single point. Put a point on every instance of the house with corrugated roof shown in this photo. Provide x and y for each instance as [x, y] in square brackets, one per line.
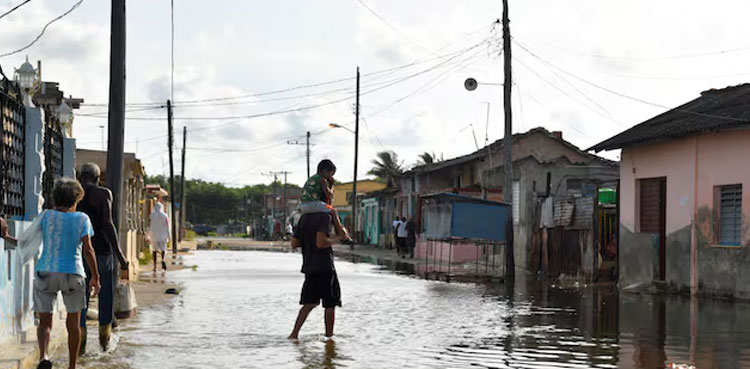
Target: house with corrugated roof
[684, 206]
[545, 166]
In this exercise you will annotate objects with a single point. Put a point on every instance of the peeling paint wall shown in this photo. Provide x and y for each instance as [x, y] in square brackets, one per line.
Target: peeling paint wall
[15, 289]
[693, 167]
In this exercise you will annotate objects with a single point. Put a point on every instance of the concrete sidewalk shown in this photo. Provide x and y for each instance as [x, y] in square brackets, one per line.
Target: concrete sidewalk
[23, 352]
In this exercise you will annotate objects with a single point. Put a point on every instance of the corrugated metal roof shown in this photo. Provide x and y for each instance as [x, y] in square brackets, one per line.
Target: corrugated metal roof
[715, 110]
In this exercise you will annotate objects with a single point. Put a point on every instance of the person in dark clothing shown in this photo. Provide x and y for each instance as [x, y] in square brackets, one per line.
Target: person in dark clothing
[321, 282]
[97, 204]
[411, 237]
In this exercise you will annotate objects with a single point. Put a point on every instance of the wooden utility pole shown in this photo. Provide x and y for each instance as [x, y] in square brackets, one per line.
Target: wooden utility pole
[116, 144]
[183, 207]
[356, 158]
[307, 150]
[308, 154]
[170, 144]
[510, 267]
[276, 179]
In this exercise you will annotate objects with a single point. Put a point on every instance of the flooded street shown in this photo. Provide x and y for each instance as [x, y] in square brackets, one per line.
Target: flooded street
[237, 308]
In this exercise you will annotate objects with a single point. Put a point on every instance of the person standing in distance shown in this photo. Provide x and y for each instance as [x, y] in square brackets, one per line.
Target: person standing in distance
[159, 234]
[97, 204]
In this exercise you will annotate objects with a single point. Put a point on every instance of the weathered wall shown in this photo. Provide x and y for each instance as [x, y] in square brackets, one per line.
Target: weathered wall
[15, 289]
[34, 163]
[693, 166]
[674, 160]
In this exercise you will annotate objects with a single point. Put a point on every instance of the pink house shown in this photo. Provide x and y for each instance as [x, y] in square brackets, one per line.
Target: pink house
[684, 202]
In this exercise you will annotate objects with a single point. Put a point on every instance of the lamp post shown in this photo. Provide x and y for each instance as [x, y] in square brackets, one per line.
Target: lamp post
[471, 84]
[354, 184]
[65, 116]
[26, 77]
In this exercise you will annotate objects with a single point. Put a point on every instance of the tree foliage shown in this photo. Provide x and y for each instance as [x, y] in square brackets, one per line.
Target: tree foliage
[214, 203]
[387, 167]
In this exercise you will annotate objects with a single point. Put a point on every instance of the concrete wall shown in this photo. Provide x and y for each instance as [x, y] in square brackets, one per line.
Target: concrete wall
[693, 166]
[15, 289]
[34, 164]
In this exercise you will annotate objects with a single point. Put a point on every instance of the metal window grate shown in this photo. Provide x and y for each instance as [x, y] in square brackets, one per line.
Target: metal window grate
[730, 216]
[53, 156]
[12, 150]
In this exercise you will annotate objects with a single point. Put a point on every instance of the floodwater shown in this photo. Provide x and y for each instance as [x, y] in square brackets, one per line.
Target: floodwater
[237, 308]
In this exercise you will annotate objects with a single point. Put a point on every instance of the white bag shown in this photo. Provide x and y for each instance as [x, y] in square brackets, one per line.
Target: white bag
[30, 241]
[125, 303]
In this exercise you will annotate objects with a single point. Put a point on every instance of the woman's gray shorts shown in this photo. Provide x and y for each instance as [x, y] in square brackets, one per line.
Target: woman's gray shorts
[46, 285]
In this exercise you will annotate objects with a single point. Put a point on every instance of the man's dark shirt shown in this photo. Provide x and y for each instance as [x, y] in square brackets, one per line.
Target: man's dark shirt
[94, 211]
[315, 260]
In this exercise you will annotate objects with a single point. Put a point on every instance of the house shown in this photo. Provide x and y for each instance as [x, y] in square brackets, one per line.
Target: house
[684, 207]
[135, 211]
[545, 166]
[342, 200]
[378, 212]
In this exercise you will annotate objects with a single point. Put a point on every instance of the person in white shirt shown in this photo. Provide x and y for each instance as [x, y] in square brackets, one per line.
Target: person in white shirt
[396, 222]
[159, 232]
[401, 235]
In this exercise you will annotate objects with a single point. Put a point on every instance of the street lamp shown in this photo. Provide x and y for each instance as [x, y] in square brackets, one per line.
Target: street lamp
[334, 125]
[471, 84]
[356, 158]
[26, 78]
[65, 115]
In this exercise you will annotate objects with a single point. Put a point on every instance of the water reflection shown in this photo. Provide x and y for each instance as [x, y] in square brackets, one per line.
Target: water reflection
[237, 309]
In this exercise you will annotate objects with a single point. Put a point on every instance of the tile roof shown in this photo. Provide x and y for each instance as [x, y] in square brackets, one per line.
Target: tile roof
[715, 110]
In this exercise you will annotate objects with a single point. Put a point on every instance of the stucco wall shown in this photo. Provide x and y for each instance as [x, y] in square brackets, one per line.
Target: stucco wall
[15, 289]
[721, 160]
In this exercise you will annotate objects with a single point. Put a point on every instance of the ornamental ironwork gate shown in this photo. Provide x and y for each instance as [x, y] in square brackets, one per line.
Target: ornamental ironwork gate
[53, 156]
[12, 150]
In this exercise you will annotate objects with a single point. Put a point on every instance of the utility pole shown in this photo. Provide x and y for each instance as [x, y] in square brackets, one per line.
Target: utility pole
[183, 208]
[170, 144]
[275, 180]
[510, 267]
[356, 157]
[307, 151]
[116, 144]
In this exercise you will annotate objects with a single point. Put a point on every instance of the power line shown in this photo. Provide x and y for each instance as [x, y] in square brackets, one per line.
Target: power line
[407, 38]
[627, 96]
[74, 7]
[14, 8]
[648, 58]
[318, 84]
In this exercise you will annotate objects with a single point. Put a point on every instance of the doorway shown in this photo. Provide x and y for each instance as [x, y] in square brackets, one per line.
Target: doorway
[653, 216]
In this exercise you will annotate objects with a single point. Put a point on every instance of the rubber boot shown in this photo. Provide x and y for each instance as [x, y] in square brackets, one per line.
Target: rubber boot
[82, 347]
[105, 334]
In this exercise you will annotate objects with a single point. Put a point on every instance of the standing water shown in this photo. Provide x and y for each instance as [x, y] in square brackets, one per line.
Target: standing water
[237, 308]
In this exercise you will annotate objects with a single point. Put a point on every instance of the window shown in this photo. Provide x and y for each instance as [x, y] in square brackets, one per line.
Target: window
[730, 215]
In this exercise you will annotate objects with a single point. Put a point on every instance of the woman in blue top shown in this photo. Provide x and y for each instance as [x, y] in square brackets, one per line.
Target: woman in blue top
[66, 236]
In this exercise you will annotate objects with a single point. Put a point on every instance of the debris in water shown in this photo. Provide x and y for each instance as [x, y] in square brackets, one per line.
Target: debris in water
[680, 366]
[172, 291]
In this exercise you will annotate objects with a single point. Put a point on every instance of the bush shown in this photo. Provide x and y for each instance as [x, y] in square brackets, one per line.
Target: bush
[190, 235]
[212, 234]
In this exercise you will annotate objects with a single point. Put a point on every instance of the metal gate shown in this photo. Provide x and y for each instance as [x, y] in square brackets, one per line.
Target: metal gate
[53, 156]
[13, 150]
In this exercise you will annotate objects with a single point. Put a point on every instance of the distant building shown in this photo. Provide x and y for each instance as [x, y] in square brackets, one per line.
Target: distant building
[684, 203]
[135, 211]
[544, 166]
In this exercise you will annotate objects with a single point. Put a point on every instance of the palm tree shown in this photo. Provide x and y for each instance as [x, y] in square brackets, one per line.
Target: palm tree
[427, 158]
[387, 167]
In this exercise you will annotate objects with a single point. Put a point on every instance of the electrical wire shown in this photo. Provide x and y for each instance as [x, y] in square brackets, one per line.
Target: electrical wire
[394, 29]
[74, 7]
[14, 8]
[319, 84]
[649, 58]
[624, 95]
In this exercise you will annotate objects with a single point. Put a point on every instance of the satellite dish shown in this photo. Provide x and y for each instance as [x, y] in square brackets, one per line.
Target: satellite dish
[470, 84]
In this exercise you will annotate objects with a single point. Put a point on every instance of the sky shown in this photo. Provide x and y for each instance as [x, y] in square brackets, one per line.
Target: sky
[244, 70]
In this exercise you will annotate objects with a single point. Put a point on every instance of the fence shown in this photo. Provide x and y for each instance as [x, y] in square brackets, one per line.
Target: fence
[53, 156]
[12, 151]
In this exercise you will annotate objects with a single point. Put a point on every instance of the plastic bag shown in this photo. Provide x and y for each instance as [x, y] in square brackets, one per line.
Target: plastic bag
[125, 302]
[30, 241]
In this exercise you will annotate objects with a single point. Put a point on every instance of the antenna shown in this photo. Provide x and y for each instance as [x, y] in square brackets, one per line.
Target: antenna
[476, 143]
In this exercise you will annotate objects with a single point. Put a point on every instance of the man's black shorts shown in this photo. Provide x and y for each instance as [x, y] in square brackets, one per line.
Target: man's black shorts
[324, 287]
